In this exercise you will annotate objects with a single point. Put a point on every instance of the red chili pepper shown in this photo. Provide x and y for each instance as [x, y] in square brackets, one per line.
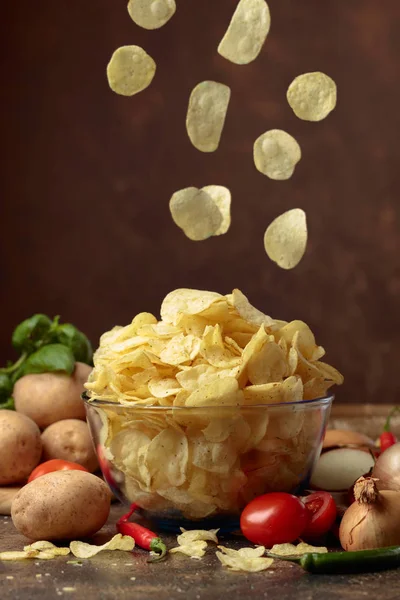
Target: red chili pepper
[143, 537]
[387, 438]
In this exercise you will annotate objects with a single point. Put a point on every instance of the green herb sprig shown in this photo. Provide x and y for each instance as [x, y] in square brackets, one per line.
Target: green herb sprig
[45, 346]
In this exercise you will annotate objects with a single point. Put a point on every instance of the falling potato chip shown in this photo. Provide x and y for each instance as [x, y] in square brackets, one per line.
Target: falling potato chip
[247, 32]
[312, 96]
[194, 535]
[250, 560]
[222, 198]
[151, 14]
[276, 153]
[299, 550]
[130, 70]
[285, 239]
[195, 549]
[196, 213]
[118, 542]
[208, 105]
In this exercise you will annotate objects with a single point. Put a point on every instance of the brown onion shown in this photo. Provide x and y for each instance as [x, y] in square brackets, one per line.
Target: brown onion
[373, 520]
[387, 469]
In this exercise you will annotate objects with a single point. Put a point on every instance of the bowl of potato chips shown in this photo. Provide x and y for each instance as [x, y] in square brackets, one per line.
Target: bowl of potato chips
[196, 414]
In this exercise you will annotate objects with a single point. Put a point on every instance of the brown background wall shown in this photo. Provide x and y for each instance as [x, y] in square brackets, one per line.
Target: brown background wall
[86, 175]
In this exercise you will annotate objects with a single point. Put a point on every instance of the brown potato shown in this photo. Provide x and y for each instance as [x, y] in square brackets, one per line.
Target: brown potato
[50, 397]
[70, 440]
[61, 505]
[20, 447]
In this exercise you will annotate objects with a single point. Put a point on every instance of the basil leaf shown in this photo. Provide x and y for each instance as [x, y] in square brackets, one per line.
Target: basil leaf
[54, 357]
[77, 341]
[28, 334]
[6, 387]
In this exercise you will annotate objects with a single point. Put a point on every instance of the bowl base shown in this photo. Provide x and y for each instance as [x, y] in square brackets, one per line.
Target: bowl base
[227, 524]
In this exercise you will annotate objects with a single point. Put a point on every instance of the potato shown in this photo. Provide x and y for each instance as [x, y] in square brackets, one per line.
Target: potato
[61, 505]
[70, 440]
[20, 447]
[50, 397]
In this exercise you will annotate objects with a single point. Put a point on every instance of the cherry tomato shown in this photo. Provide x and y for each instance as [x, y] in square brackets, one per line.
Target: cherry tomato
[274, 518]
[322, 509]
[55, 464]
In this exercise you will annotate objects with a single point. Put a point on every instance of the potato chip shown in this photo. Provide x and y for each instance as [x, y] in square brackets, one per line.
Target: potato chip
[285, 239]
[18, 554]
[216, 457]
[151, 14]
[221, 392]
[244, 552]
[194, 535]
[167, 458]
[130, 70]
[247, 32]
[245, 559]
[290, 390]
[299, 550]
[252, 349]
[298, 334]
[248, 312]
[162, 388]
[316, 387]
[193, 549]
[222, 198]
[214, 351]
[268, 365]
[286, 425]
[312, 96]
[181, 349]
[208, 105]
[196, 213]
[118, 542]
[276, 153]
[329, 373]
[220, 429]
[47, 549]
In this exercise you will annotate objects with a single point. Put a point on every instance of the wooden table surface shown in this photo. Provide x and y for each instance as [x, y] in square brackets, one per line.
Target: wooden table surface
[122, 576]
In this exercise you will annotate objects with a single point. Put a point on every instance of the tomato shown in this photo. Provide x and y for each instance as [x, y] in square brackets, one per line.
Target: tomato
[322, 509]
[55, 464]
[274, 518]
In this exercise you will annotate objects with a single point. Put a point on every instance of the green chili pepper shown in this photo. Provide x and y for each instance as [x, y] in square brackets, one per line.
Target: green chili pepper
[362, 561]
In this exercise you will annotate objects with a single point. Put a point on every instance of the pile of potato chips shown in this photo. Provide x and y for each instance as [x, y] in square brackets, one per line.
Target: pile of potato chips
[196, 419]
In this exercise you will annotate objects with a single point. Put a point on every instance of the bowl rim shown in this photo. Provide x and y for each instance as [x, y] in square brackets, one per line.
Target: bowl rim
[321, 401]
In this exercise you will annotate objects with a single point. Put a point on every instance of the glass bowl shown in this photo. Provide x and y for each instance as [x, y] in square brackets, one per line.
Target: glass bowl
[198, 467]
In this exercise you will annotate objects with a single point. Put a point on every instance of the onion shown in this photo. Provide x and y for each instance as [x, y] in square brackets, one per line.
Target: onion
[336, 470]
[344, 437]
[387, 469]
[373, 521]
